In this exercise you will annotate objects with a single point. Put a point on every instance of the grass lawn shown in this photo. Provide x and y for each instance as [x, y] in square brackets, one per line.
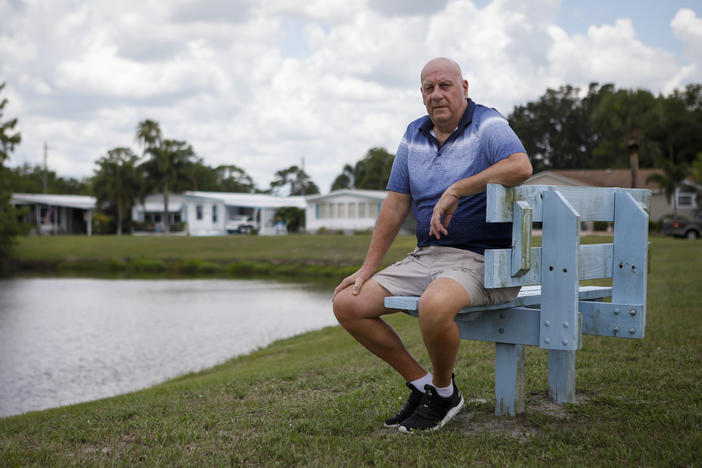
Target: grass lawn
[297, 255]
[320, 399]
[331, 249]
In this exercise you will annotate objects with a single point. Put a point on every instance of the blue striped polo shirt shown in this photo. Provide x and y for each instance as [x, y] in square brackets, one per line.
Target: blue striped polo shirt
[424, 170]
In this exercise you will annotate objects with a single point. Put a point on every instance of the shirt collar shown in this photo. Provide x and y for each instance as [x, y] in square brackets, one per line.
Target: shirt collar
[466, 119]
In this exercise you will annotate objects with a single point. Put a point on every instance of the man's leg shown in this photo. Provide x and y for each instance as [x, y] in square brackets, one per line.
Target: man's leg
[437, 308]
[360, 316]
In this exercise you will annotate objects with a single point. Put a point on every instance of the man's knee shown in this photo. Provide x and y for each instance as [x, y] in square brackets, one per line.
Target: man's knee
[343, 305]
[367, 304]
[436, 309]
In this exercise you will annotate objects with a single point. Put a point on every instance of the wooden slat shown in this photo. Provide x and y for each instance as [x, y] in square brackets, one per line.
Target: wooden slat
[613, 319]
[521, 238]
[591, 203]
[559, 274]
[630, 261]
[594, 262]
[528, 296]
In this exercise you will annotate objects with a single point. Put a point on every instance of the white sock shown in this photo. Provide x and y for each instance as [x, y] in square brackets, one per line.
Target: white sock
[445, 392]
[422, 381]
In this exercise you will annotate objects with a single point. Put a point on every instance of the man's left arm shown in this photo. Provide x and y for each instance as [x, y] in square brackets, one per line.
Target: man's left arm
[511, 171]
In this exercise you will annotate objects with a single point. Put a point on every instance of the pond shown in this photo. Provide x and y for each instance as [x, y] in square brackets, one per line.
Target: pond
[68, 340]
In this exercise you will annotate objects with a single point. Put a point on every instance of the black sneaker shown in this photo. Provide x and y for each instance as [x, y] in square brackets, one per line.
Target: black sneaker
[433, 411]
[415, 397]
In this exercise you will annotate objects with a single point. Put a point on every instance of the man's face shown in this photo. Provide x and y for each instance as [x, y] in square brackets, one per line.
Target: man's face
[444, 92]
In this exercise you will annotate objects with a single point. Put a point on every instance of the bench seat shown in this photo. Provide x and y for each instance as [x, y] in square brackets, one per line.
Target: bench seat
[518, 322]
[528, 296]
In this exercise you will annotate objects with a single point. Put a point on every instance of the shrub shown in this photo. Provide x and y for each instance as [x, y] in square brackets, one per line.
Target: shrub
[146, 265]
[116, 264]
[209, 268]
[600, 225]
[190, 266]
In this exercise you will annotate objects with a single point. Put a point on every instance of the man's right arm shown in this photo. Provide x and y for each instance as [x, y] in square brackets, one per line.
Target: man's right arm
[392, 214]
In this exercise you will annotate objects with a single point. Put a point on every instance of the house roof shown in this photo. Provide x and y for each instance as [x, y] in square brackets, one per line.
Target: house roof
[378, 195]
[599, 177]
[250, 200]
[83, 202]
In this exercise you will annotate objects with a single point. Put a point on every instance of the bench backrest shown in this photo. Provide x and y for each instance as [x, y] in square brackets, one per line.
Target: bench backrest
[561, 263]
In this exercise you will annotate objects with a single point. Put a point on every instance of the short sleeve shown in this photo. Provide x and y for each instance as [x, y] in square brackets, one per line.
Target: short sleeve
[498, 137]
[399, 174]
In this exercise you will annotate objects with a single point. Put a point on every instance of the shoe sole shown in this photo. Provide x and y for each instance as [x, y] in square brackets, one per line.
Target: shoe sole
[452, 412]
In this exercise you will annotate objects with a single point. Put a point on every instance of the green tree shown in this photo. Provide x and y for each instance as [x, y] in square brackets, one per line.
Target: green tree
[203, 176]
[296, 179]
[9, 226]
[231, 178]
[29, 178]
[696, 176]
[696, 173]
[555, 130]
[293, 217]
[373, 171]
[677, 130]
[344, 180]
[672, 178]
[148, 134]
[117, 181]
[624, 118]
[169, 167]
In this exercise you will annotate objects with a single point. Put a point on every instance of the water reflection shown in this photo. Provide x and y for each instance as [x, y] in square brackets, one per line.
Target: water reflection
[69, 340]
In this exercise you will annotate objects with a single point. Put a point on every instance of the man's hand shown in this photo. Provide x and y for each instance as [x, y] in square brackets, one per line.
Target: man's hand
[357, 279]
[443, 212]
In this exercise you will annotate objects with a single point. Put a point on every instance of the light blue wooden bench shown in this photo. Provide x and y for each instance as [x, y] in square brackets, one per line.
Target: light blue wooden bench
[552, 310]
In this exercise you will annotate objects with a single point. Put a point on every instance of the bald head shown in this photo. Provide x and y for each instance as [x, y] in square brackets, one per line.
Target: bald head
[444, 63]
[444, 92]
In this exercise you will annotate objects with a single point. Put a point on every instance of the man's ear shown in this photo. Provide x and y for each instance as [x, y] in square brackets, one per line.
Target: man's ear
[465, 88]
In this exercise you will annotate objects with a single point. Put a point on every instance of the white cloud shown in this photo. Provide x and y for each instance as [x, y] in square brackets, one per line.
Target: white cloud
[688, 28]
[609, 53]
[229, 80]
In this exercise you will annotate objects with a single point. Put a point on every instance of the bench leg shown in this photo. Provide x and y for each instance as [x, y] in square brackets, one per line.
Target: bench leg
[509, 379]
[561, 376]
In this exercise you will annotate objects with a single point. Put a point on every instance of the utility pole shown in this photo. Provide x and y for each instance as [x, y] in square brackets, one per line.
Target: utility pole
[46, 170]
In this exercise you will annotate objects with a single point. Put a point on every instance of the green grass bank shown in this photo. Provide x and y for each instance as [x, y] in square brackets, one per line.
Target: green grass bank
[292, 255]
[319, 399]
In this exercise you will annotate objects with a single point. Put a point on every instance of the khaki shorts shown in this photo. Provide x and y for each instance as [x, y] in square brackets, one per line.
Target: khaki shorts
[411, 276]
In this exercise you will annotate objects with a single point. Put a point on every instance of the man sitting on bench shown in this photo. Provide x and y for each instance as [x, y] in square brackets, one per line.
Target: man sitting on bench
[443, 165]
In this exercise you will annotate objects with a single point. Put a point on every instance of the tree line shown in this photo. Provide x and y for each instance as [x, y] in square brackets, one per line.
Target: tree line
[608, 128]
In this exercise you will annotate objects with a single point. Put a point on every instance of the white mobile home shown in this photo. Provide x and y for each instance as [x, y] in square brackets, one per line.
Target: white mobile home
[56, 214]
[217, 213]
[347, 210]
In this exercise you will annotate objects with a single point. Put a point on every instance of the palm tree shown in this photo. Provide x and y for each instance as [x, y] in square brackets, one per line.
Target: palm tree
[168, 165]
[167, 169]
[669, 181]
[117, 181]
[148, 134]
[626, 115]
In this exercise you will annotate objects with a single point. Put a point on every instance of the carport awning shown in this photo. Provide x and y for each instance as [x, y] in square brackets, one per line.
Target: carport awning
[81, 202]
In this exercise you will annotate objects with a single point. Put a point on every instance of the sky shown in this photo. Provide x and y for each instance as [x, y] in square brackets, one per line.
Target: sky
[267, 84]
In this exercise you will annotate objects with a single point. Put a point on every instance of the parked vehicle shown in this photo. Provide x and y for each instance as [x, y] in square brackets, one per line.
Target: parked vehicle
[680, 227]
[240, 225]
